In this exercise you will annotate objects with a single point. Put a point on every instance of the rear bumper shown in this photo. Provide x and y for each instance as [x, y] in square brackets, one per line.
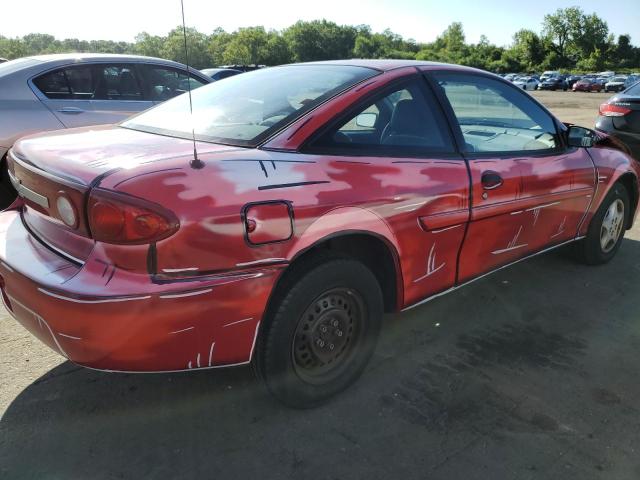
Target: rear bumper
[99, 316]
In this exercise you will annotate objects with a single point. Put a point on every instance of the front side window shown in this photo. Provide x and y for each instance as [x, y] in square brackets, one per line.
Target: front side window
[403, 121]
[495, 117]
[244, 109]
[165, 83]
[117, 82]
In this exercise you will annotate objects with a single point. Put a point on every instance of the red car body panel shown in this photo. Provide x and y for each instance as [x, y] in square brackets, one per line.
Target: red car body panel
[587, 86]
[196, 298]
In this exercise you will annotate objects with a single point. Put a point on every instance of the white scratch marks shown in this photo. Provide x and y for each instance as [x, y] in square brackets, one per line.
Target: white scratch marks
[445, 229]
[512, 244]
[431, 264]
[213, 344]
[188, 294]
[560, 228]
[183, 330]
[236, 322]
[258, 262]
[178, 270]
[69, 336]
[41, 321]
[106, 300]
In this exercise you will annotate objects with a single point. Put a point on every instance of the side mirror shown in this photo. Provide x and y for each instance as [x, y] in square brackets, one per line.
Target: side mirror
[366, 120]
[580, 137]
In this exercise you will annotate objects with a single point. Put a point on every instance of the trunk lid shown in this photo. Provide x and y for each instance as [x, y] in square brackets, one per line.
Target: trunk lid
[70, 163]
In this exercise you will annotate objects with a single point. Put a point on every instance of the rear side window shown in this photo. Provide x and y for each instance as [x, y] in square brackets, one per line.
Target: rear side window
[404, 121]
[54, 85]
[495, 117]
[91, 82]
[164, 83]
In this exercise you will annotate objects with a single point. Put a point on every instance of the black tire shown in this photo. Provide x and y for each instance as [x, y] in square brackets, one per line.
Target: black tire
[7, 193]
[590, 250]
[316, 295]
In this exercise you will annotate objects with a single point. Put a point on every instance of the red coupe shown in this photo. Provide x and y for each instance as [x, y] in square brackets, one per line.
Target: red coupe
[278, 220]
[587, 85]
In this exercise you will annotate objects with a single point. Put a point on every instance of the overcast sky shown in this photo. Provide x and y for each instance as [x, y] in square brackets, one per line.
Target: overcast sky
[422, 20]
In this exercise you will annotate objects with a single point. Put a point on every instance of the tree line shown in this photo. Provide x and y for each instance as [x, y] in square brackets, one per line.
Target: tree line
[569, 39]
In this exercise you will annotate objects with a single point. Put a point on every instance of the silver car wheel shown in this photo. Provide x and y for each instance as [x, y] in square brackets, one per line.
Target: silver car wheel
[612, 226]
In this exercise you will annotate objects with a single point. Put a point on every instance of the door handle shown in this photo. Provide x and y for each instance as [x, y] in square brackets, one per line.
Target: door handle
[491, 180]
[70, 110]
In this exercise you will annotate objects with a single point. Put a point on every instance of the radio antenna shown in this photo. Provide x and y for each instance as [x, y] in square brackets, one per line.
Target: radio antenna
[196, 162]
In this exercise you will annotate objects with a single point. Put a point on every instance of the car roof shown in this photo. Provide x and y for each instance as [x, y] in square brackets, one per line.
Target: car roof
[109, 57]
[389, 64]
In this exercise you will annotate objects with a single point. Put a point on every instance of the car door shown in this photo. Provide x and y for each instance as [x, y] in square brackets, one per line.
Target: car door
[91, 93]
[67, 93]
[118, 92]
[395, 154]
[529, 190]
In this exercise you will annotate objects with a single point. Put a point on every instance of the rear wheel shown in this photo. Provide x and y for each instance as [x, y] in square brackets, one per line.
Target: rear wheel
[607, 227]
[7, 193]
[321, 332]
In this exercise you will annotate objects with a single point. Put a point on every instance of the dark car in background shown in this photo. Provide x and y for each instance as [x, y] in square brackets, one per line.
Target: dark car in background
[220, 73]
[620, 117]
[554, 83]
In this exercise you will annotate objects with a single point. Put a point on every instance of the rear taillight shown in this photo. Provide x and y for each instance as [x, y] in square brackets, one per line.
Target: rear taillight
[614, 109]
[125, 220]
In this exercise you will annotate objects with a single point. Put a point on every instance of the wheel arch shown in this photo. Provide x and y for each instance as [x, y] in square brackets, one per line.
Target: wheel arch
[630, 183]
[370, 248]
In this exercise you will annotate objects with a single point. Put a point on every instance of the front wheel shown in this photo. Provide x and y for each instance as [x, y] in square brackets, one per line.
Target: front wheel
[321, 331]
[607, 227]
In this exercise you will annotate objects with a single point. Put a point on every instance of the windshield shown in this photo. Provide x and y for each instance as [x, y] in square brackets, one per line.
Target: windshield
[247, 108]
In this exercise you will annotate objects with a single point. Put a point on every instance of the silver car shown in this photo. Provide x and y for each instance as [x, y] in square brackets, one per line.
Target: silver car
[52, 92]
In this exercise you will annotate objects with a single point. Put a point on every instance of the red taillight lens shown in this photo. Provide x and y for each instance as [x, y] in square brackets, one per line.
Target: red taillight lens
[126, 220]
[614, 110]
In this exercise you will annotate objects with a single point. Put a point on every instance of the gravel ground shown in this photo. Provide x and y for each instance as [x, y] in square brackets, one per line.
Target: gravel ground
[528, 374]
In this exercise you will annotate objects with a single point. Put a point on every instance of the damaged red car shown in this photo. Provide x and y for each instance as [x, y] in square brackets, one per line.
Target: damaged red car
[279, 218]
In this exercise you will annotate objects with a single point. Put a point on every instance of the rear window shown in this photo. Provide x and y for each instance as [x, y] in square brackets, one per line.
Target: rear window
[633, 89]
[245, 109]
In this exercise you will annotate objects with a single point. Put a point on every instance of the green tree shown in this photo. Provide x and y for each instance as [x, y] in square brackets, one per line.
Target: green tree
[320, 40]
[149, 45]
[197, 47]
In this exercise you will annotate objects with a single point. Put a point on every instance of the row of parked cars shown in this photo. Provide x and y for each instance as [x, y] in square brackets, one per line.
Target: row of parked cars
[593, 82]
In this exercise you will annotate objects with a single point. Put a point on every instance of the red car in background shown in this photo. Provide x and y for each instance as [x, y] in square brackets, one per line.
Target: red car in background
[586, 85]
[319, 196]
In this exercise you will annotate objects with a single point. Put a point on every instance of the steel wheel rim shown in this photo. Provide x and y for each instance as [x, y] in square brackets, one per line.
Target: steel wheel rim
[612, 226]
[327, 335]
